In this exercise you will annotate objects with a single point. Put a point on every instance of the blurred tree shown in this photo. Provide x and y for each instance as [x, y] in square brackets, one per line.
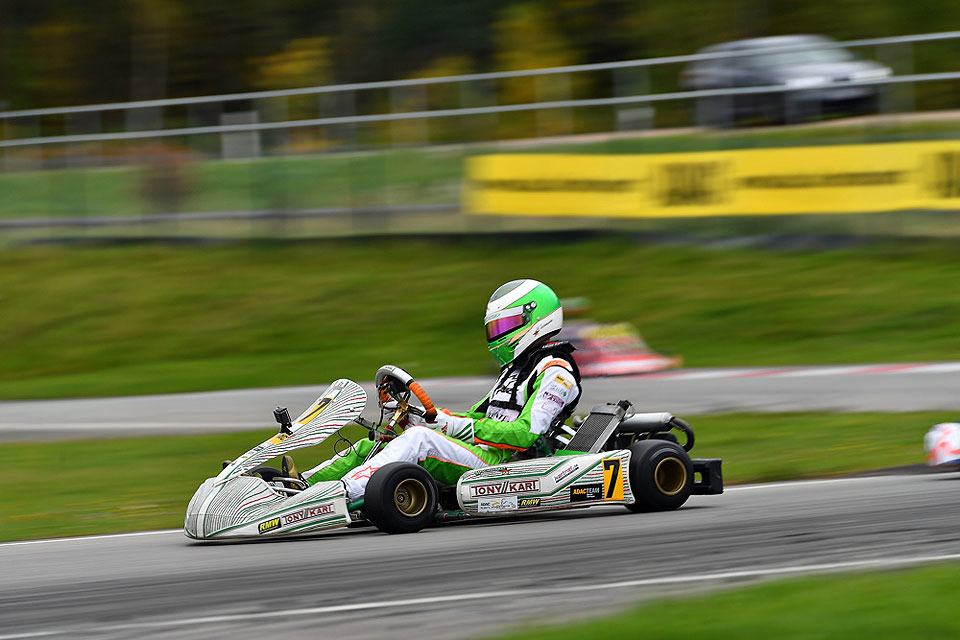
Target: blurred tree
[304, 62]
[526, 37]
[60, 52]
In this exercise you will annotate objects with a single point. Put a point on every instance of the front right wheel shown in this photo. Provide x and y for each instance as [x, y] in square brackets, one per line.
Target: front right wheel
[401, 497]
[661, 475]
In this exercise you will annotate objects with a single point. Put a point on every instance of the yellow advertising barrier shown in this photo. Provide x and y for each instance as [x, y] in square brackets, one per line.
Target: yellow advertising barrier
[795, 180]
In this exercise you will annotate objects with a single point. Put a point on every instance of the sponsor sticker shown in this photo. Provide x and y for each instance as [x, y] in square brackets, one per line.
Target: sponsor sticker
[564, 382]
[526, 503]
[507, 486]
[552, 397]
[612, 479]
[315, 512]
[269, 525]
[320, 406]
[566, 472]
[586, 492]
[280, 437]
[491, 505]
[307, 514]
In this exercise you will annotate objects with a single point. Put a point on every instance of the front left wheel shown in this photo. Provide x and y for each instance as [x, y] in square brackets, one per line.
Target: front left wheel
[401, 497]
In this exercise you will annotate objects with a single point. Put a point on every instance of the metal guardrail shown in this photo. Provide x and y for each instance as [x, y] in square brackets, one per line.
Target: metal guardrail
[472, 77]
[461, 111]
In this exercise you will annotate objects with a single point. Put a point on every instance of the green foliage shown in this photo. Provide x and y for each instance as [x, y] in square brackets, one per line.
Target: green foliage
[157, 48]
[149, 319]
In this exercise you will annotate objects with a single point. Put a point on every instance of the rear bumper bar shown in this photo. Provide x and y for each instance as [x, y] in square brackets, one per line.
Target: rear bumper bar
[708, 477]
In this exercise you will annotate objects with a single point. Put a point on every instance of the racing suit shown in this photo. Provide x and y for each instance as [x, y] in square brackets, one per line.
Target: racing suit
[530, 395]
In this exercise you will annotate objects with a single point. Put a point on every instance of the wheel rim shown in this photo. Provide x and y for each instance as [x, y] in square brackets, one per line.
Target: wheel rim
[410, 497]
[670, 476]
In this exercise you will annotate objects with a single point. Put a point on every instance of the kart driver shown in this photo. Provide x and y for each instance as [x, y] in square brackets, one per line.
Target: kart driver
[538, 386]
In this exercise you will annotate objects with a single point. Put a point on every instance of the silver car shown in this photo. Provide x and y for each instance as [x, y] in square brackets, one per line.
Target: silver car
[812, 67]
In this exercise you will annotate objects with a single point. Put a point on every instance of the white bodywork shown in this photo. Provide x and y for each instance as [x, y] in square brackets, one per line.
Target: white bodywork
[547, 483]
[942, 444]
[233, 505]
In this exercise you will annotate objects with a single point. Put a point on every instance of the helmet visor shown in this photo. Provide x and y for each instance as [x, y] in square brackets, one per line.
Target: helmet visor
[502, 326]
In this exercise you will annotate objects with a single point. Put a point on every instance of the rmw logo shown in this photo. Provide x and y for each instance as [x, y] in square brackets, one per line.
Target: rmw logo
[507, 486]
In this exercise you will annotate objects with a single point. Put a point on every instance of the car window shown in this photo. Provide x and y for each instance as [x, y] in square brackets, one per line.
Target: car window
[799, 58]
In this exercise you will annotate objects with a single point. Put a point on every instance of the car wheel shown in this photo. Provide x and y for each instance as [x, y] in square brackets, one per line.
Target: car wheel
[401, 497]
[661, 475]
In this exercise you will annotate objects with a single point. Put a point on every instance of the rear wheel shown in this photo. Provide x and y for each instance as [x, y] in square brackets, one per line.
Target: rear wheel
[661, 475]
[401, 497]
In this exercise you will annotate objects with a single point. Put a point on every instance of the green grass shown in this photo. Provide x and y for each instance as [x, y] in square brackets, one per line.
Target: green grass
[89, 487]
[918, 603]
[294, 182]
[100, 321]
[102, 486]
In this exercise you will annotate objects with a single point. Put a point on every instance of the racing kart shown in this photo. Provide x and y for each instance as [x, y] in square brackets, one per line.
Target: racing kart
[613, 456]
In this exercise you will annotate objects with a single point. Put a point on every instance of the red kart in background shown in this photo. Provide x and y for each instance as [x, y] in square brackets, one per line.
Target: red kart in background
[614, 349]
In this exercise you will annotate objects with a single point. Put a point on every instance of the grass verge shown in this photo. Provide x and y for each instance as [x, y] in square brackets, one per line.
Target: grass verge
[106, 486]
[406, 176]
[103, 321]
[918, 603]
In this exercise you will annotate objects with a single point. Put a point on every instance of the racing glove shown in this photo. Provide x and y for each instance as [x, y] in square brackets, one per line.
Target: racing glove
[448, 424]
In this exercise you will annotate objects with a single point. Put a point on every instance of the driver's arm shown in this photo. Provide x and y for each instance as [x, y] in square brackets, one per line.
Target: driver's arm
[553, 389]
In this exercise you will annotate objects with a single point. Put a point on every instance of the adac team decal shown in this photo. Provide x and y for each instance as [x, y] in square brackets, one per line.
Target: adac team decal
[586, 492]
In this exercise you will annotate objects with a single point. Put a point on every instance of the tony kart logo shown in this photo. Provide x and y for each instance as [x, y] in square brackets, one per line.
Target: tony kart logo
[307, 514]
[507, 486]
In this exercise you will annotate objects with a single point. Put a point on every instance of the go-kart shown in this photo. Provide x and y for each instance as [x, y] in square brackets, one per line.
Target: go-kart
[613, 456]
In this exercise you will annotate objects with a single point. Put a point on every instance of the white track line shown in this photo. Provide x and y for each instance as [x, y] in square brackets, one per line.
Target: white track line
[105, 536]
[739, 574]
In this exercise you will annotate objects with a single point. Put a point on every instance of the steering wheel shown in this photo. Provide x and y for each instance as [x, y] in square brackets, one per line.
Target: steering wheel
[399, 385]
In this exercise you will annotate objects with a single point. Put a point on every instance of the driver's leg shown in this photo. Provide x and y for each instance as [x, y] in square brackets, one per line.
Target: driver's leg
[337, 466]
[445, 458]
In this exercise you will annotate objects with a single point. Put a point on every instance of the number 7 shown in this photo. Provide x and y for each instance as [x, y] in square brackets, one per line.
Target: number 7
[613, 466]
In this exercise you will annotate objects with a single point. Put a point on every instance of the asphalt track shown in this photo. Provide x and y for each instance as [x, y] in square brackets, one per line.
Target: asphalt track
[875, 387]
[473, 578]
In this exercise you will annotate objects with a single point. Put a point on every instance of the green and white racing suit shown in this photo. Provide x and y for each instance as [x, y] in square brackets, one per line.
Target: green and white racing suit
[528, 397]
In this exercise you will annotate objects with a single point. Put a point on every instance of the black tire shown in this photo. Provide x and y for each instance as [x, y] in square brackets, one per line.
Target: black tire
[661, 475]
[401, 497]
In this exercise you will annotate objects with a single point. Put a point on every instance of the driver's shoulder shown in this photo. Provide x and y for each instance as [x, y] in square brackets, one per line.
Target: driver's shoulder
[553, 361]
